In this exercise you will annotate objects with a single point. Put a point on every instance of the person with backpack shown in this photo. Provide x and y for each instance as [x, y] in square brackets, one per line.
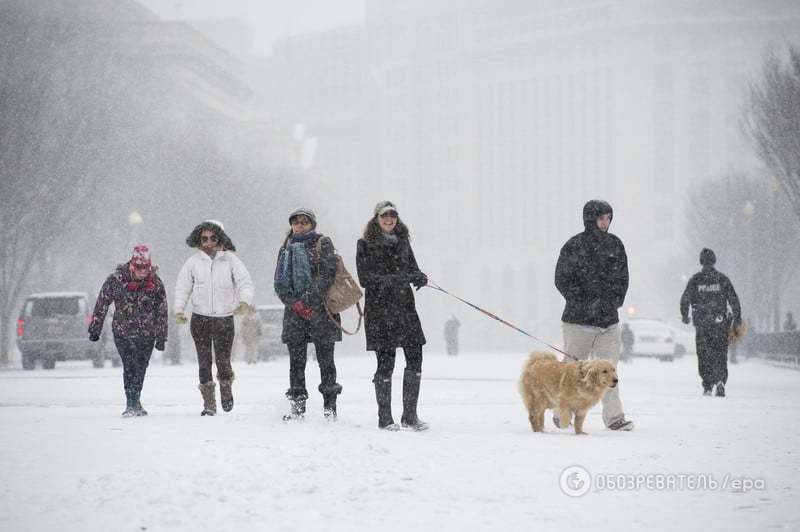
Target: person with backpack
[387, 269]
[140, 320]
[305, 271]
[709, 293]
[219, 286]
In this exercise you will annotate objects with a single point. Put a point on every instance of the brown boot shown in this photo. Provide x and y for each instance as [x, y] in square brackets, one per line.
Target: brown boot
[226, 395]
[209, 399]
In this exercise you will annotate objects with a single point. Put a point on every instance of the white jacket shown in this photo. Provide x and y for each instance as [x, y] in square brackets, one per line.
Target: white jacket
[216, 286]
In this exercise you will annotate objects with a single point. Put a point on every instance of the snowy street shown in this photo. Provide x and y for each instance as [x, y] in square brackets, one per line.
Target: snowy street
[70, 462]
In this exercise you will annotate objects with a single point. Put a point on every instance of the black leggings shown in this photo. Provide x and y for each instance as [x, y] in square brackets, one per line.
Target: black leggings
[135, 354]
[216, 332]
[298, 355]
[386, 358]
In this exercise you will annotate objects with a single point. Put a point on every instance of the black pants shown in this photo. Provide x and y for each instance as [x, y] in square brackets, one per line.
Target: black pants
[216, 332]
[135, 354]
[712, 354]
[386, 362]
[298, 355]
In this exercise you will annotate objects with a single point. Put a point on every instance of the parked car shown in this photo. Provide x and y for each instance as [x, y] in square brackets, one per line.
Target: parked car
[269, 344]
[654, 338]
[52, 327]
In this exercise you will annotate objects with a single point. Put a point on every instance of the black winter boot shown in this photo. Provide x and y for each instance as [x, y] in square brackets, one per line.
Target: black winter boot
[297, 405]
[137, 405]
[383, 395]
[411, 384]
[130, 404]
[329, 394]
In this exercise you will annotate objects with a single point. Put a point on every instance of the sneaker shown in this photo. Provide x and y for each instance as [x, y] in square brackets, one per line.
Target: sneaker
[129, 412]
[720, 389]
[707, 391]
[293, 417]
[557, 423]
[621, 424]
[330, 414]
[391, 427]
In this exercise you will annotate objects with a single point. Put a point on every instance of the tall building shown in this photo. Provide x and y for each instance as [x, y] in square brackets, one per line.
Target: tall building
[492, 122]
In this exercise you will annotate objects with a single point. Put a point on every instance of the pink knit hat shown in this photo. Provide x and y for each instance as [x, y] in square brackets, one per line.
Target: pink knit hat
[141, 257]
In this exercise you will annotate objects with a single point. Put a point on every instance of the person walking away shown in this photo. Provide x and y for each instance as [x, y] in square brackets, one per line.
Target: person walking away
[139, 323]
[592, 276]
[386, 270]
[451, 335]
[251, 332]
[715, 310]
[219, 286]
[305, 271]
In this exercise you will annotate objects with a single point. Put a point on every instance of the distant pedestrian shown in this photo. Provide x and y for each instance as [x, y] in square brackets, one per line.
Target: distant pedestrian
[139, 323]
[626, 335]
[219, 286]
[789, 324]
[709, 294]
[306, 269]
[251, 332]
[592, 275]
[387, 269]
[451, 335]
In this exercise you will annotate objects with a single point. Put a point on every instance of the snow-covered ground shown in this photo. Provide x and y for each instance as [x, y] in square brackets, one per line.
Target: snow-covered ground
[69, 461]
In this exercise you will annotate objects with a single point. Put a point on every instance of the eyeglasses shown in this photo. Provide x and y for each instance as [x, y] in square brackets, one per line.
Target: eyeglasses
[212, 238]
[389, 214]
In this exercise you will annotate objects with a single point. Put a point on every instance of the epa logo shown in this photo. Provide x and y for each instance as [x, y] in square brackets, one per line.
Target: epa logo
[575, 481]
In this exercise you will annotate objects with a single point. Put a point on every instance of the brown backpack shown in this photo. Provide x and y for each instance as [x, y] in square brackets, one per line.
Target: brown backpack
[343, 293]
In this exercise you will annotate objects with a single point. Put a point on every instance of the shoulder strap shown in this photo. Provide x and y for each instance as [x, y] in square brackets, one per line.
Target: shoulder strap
[360, 318]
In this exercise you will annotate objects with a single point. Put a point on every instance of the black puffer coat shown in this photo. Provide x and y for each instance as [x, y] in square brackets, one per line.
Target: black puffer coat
[390, 315]
[320, 328]
[592, 272]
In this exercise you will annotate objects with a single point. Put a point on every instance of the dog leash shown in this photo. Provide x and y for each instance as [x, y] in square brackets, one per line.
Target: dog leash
[435, 286]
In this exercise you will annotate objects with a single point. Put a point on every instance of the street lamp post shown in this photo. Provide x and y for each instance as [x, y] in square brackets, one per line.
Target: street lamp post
[748, 211]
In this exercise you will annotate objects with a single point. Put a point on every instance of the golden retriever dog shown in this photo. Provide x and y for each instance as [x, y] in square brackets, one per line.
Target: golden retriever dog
[567, 387]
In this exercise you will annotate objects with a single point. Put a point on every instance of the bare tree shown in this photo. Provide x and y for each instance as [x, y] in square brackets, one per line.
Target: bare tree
[52, 122]
[773, 120]
[751, 227]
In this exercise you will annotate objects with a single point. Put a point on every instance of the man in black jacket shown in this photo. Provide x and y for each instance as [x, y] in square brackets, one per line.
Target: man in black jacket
[709, 293]
[592, 275]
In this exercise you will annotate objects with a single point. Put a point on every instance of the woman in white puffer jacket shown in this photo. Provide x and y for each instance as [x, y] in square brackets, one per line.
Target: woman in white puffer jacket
[219, 286]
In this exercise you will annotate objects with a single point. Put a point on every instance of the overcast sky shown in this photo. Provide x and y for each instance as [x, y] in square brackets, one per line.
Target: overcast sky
[270, 19]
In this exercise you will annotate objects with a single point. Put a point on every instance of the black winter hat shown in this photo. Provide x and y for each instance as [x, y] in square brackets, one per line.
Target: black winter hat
[707, 257]
[593, 210]
[193, 240]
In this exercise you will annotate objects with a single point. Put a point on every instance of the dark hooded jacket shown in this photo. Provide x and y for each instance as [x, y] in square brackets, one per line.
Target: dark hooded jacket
[592, 272]
[385, 269]
[709, 292]
[140, 307]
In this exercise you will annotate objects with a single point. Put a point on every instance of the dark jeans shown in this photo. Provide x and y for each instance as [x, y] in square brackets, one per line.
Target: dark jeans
[712, 354]
[386, 362]
[298, 355]
[216, 332]
[135, 354]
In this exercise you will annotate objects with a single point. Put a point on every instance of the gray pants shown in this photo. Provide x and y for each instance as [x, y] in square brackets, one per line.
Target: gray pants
[581, 341]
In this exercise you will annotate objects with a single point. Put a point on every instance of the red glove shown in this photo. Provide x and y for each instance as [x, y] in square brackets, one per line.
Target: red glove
[302, 310]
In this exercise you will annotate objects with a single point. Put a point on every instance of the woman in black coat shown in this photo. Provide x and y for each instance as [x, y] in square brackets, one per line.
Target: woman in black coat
[305, 271]
[386, 269]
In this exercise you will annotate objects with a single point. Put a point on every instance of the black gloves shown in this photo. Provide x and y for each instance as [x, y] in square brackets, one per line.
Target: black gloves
[160, 344]
[685, 319]
[418, 279]
[94, 337]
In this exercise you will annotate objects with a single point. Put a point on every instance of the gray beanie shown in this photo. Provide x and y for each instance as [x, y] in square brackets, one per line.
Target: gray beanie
[302, 211]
